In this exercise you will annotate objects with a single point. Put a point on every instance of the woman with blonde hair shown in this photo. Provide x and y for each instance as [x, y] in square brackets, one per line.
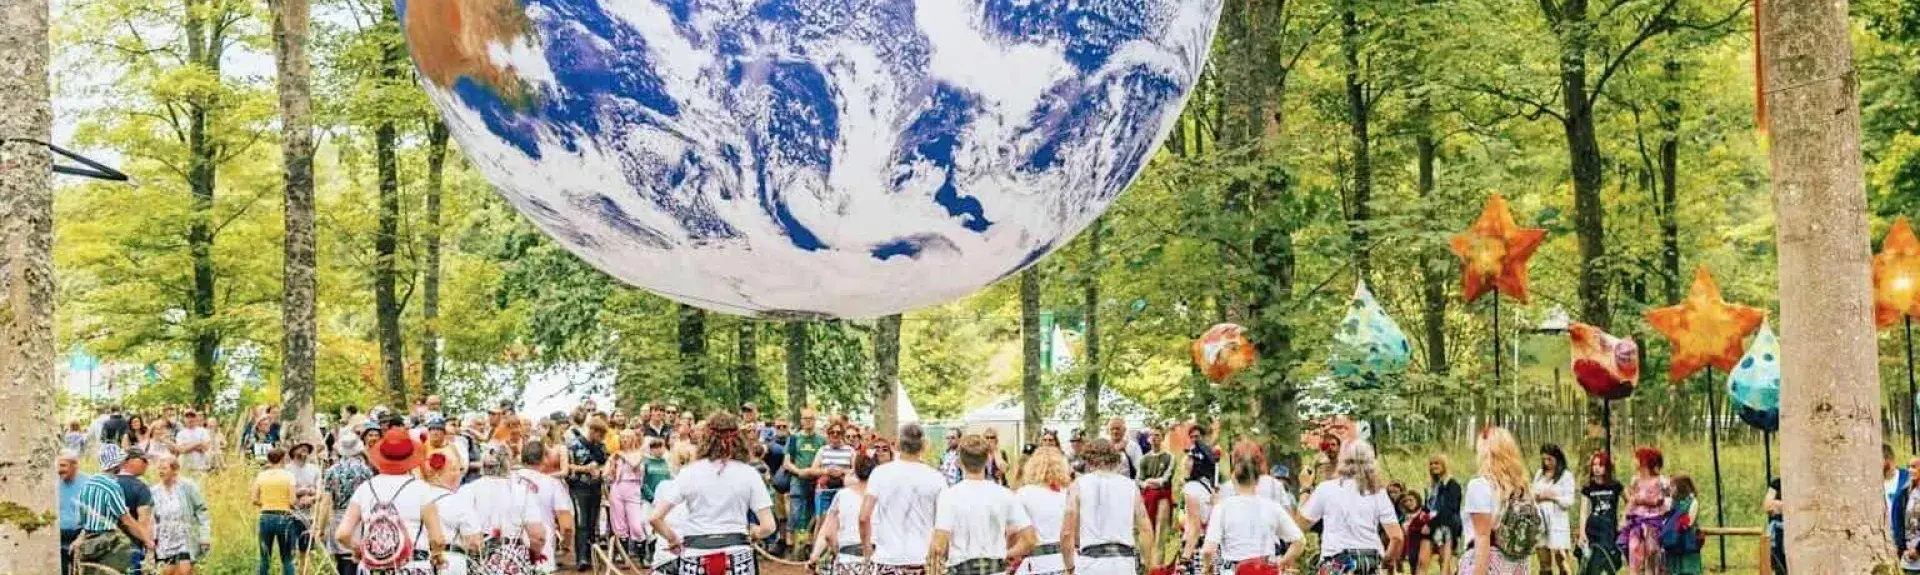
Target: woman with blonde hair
[1501, 484]
[1353, 509]
[1044, 495]
[626, 471]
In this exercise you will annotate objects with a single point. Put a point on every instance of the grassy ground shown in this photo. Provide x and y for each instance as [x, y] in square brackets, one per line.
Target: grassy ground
[235, 549]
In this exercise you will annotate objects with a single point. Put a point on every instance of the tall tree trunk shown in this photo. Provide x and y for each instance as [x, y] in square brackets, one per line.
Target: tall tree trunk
[1030, 351]
[1434, 269]
[1583, 154]
[1830, 399]
[1090, 394]
[746, 360]
[290, 26]
[1359, 109]
[1670, 189]
[886, 375]
[796, 331]
[693, 348]
[386, 300]
[27, 435]
[430, 285]
[204, 48]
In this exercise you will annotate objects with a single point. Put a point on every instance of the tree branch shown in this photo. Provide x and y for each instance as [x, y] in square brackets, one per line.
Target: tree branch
[1655, 25]
[1539, 109]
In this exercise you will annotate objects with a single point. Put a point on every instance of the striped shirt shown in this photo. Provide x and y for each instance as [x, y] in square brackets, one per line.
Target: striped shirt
[835, 457]
[101, 503]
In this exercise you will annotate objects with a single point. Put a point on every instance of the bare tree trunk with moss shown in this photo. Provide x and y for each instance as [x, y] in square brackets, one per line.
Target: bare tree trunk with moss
[1090, 392]
[886, 376]
[1030, 351]
[796, 331]
[290, 25]
[28, 541]
[746, 360]
[692, 331]
[1831, 390]
[430, 285]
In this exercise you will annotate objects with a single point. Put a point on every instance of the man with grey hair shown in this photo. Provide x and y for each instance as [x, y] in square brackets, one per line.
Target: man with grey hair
[70, 481]
[896, 520]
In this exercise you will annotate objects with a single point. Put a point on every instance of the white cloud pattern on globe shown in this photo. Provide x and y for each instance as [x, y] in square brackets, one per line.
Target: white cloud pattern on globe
[788, 158]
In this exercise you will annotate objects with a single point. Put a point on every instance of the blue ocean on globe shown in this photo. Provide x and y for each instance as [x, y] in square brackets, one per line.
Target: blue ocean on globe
[825, 158]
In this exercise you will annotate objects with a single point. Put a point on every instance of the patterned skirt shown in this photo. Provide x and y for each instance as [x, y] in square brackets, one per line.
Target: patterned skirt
[732, 561]
[1045, 560]
[899, 570]
[1497, 564]
[981, 566]
[1353, 563]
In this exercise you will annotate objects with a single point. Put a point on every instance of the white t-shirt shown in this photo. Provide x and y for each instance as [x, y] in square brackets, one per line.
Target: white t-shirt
[1047, 509]
[977, 514]
[456, 515]
[499, 503]
[1480, 499]
[846, 506]
[1266, 488]
[1248, 526]
[1196, 491]
[1348, 520]
[718, 496]
[549, 498]
[904, 495]
[194, 436]
[408, 495]
[1107, 501]
[676, 519]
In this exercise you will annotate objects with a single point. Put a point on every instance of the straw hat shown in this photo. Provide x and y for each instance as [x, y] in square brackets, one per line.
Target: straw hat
[397, 453]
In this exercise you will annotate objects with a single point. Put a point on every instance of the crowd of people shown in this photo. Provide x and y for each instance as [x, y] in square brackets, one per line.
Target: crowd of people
[418, 492]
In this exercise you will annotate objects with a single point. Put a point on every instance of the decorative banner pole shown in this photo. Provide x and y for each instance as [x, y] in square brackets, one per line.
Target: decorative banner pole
[1706, 331]
[1606, 367]
[1896, 296]
[1493, 254]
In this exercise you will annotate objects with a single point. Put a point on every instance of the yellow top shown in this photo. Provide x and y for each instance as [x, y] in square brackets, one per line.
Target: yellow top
[275, 487]
[613, 443]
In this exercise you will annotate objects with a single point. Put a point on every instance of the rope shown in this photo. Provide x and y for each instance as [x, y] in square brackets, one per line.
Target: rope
[776, 559]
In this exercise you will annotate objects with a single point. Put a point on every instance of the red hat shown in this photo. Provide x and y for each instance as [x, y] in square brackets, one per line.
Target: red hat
[397, 453]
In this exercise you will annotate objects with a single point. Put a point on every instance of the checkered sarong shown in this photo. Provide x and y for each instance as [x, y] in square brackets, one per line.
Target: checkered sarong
[739, 562]
[899, 570]
[981, 566]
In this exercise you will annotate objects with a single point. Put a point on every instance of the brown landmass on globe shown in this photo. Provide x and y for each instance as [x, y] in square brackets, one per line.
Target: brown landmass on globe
[449, 39]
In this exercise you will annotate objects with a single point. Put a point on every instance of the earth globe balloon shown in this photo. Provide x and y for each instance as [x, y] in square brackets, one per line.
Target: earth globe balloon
[829, 158]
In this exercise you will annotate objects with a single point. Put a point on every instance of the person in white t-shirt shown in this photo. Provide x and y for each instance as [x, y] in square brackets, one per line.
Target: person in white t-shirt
[1352, 508]
[1503, 477]
[896, 519]
[395, 457]
[496, 512]
[839, 531]
[1044, 496]
[663, 560]
[1105, 530]
[1248, 526]
[719, 491]
[194, 443]
[978, 526]
[551, 502]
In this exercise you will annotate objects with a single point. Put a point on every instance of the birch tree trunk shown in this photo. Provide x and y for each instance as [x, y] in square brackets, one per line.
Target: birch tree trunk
[290, 25]
[28, 541]
[1831, 389]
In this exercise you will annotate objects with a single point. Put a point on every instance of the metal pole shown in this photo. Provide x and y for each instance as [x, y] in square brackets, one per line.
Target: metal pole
[1496, 339]
[1606, 412]
[1719, 486]
[1913, 427]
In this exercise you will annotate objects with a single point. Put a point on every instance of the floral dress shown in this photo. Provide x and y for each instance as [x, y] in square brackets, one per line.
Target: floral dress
[1648, 501]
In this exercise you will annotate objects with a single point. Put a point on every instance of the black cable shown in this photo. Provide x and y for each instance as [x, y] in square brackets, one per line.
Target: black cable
[93, 169]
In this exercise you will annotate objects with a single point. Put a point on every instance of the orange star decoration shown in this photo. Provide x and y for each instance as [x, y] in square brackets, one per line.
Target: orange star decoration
[1494, 251]
[1896, 276]
[1704, 329]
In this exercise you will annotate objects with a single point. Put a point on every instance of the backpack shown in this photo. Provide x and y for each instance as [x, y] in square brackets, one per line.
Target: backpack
[1518, 532]
[1679, 536]
[384, 541]
[501, 555]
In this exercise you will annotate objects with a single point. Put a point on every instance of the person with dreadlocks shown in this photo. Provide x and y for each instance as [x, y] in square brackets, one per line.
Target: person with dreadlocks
[719, 491]
[1248, 526]
[1100, 507]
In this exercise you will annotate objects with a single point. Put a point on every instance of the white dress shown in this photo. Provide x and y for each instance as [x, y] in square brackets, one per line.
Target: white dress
[1556, 512]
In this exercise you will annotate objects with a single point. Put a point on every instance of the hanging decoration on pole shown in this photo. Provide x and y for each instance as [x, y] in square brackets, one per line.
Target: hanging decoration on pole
[1607, 368]
[1493, 256]
[1707, 333]
[1754, 388]
[1223, 351]
[1369, 349]
[1896, 300]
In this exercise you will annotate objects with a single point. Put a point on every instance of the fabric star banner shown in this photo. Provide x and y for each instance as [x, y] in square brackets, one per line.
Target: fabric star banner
[1704, 329]
[1493, 252]
[1368, 346]
[1896, 276]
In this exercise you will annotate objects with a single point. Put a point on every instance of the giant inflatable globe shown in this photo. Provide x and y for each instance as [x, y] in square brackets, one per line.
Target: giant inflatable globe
[797, 158]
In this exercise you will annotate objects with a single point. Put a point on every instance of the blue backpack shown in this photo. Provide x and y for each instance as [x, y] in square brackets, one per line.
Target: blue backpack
[1677, 541]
